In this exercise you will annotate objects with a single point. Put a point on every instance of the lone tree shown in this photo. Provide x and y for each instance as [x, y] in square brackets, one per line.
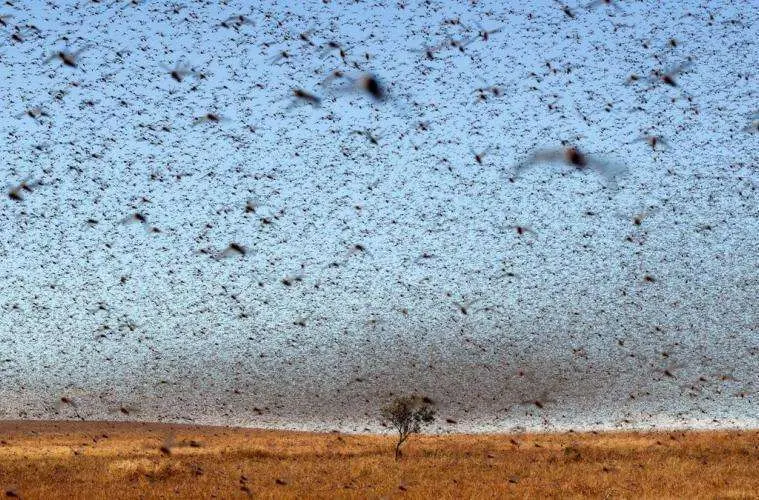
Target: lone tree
[407, 415]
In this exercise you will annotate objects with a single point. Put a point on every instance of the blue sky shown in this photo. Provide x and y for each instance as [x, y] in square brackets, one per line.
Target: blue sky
[584, 310]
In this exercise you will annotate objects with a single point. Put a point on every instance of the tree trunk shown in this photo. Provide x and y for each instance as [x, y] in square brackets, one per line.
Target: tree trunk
[401, 439]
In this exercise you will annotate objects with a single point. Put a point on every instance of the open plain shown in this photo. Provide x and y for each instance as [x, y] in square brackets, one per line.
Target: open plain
[146, 460]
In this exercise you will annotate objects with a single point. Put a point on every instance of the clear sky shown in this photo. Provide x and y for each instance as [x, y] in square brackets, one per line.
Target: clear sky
[384, 252]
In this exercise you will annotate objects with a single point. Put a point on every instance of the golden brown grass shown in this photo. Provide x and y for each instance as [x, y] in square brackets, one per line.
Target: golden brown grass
[120, 460]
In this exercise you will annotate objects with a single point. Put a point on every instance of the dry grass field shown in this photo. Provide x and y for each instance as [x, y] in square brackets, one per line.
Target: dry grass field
[120, 460]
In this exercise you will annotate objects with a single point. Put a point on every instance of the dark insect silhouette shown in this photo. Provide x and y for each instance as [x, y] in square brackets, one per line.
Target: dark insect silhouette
[460, 45]
[333, 76]
[302, 96]
[306, 37]
[180, 70]
[565, 9]
[232, 249]
[167, 445]
[208, 117]
[135, 217]
[330, 46]
[482, 93]
[574, 157]
[67, 401]
[237, 22]
[283, 55]
[466, 307]
[70, 59]
[367, 83]
[289, 280]
[15, 193]
[480, 157]
[35, 113]
[655, 141]
[520, 230]
[372, 86]
[668, 78]
[428, 52]
[368, 134]
[485, 34]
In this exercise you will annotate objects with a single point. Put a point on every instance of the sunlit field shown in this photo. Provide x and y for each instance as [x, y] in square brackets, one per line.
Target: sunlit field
[125, 460]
